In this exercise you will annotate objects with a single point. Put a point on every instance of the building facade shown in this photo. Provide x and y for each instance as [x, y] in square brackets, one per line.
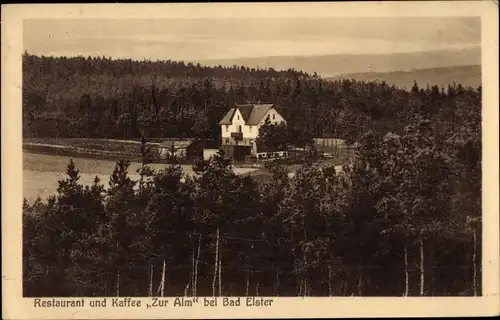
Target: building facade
[241, 124]
[185, 149]
[173, 148]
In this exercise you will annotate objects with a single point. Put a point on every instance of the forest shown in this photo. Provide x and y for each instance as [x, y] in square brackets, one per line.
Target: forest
[404, 219]
[104, 98]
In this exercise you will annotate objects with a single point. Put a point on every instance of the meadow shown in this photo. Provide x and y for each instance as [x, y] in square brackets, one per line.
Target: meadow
[41, 172]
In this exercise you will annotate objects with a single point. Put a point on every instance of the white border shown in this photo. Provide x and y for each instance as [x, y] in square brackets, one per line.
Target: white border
[16, 307]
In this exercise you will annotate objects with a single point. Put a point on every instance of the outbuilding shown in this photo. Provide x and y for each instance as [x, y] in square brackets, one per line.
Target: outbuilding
[174, 148]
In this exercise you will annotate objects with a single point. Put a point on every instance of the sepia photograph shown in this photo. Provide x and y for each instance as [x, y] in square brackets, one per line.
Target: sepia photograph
[251, 157]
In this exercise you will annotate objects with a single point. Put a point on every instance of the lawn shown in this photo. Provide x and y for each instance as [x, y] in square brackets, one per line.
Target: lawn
[45, 161]
[41, 172]
[84, 147]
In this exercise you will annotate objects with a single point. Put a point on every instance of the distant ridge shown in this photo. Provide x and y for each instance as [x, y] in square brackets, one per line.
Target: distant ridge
[442, 76]
[337, 64]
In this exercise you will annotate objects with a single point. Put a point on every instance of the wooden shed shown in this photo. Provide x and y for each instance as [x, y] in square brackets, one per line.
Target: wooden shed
[174, 148]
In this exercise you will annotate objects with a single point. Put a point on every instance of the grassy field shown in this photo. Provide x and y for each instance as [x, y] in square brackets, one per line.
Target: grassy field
[41, 172]
[45, 161]
[107, 149]
[108, 144]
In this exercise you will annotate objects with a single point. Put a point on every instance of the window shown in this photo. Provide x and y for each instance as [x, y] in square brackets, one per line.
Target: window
[227, 128]
[238, 117]
[274, 116]
[251, 128]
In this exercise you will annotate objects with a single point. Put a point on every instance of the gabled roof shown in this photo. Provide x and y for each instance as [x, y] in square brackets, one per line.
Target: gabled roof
[177, 144]
[258, 112]
[251, 113]
[228, 118]
[245, 110]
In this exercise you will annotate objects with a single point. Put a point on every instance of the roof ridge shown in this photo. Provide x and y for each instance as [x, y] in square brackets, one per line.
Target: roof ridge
[252, 113]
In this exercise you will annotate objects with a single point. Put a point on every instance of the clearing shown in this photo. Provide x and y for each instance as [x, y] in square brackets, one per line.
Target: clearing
[41, 172]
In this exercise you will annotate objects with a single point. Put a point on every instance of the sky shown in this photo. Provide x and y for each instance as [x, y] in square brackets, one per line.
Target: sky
[204, 38]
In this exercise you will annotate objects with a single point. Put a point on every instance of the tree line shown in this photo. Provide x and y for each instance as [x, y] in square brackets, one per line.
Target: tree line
[403, 220]
[103, 98]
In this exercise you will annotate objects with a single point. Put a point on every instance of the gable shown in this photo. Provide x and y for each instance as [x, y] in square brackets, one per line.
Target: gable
[237, 116]
[269, 114]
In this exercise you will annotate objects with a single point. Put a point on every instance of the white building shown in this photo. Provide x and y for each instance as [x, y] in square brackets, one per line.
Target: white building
[240, 125]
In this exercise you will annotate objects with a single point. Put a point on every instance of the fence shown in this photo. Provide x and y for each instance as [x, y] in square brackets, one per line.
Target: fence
[329, 142]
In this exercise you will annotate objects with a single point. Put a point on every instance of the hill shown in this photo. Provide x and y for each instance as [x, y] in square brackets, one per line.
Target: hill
[123, 99]
[337, 64]
[62, 78]
[442, 77]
